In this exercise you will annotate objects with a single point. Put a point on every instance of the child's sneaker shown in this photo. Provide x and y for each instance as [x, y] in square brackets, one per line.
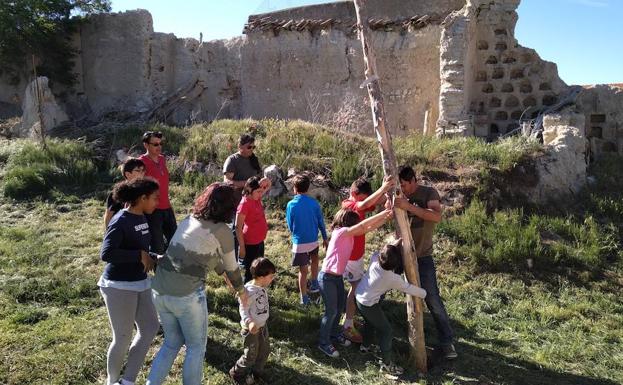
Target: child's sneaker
[305, 301]
[342, 340]
[313, 286]
[240, 379]
[329, 350]
[391, 370]
[449, 352]
[373, 349]
[352, 334]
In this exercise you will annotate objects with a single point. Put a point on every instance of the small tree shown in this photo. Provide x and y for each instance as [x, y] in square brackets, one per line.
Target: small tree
[42, 28]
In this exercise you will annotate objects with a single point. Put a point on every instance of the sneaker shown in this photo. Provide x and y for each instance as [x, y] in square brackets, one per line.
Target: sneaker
[305, 301]
[373, 349]
[240, 379]
[317, 300]
[449, 353]
[342, 340]
[391, 370]
[329, 350]
[313, 286]
[353, 334]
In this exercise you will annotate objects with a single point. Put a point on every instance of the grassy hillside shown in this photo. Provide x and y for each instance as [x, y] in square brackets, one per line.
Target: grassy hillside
[559, 322]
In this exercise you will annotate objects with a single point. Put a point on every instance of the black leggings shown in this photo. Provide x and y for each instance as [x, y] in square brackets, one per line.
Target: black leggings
[253, 252]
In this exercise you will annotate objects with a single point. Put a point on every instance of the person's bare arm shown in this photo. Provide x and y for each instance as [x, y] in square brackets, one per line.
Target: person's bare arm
[265, 185]
[242, 252]
[369, 224]
[430, 214]
[107, 217]
[229, 178]
[377, 197]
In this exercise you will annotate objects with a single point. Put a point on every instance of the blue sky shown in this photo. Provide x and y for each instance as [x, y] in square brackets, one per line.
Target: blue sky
[584, 37]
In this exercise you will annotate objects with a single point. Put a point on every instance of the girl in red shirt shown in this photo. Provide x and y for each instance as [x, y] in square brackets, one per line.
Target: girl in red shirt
[251, 225]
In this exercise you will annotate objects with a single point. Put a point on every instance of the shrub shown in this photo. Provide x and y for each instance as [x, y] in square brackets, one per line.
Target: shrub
[132, 138]
[500, 241]
[288, 144]
[32, 171]
[505, 239]
[23, 183]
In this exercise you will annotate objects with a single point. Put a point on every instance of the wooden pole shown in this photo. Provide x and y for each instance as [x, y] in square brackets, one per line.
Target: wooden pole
[401, 220]
[39, 95]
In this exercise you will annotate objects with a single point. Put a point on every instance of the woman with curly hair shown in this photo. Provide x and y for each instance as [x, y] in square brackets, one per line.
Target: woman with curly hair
[124, 284]
[201, 243]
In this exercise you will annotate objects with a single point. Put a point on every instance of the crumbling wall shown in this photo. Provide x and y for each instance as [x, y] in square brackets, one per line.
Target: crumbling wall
[380, 9]
[503, 82]
[116, 62]
[602, 106]
[311, 75]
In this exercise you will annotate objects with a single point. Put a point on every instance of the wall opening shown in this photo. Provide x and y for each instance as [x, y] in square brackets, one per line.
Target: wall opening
[507, 87]
[511, 102]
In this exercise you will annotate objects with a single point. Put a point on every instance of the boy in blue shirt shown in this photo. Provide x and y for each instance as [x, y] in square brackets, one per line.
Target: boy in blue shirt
[305, 219]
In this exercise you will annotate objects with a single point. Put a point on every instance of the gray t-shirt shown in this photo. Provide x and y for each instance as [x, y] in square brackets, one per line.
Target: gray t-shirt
[240, 166]
[197, 247]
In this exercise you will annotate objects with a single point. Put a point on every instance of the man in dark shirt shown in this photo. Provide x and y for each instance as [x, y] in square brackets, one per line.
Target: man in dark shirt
[422, 203]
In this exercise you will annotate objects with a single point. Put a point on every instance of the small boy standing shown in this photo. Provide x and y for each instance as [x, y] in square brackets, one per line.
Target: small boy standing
[304, 218]
[253, 321]
[361, 200]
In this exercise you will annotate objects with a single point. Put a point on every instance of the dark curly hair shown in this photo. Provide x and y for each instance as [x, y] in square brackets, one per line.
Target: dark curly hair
[128, 191]
[216, 203]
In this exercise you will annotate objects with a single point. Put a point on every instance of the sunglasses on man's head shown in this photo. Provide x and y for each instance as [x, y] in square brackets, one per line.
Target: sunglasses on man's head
[154, 134]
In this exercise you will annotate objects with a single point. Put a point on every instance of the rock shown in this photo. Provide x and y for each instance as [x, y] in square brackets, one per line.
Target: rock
[562, 171]
[51, 113]
[121, 155]
[320, 189]
[277, 188]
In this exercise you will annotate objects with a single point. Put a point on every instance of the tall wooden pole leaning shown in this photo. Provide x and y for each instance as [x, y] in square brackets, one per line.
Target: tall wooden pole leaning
[414, 304]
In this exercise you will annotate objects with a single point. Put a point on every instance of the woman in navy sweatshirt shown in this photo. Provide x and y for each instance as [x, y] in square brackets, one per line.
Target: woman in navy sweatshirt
[124, 284]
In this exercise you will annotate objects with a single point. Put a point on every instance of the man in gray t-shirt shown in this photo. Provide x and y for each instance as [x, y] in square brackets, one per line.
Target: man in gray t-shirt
[242, 165]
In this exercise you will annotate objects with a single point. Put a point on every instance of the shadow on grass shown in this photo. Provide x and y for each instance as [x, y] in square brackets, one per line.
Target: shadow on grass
[296, 330]
[222, 357]
[475, 364]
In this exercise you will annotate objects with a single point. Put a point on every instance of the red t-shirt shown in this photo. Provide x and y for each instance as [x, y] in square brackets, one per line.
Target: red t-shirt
[255, 225]
[159, 172]
[359, 244]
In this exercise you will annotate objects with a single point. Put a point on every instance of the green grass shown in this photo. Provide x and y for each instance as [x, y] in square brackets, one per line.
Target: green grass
[558, 323]
[32, 171]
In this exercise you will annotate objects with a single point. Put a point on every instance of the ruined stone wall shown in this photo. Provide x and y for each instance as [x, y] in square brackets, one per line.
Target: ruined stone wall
[382, 9]
[125, 66]
[501, 81]
[602, 106]
[311, 75]
[115, 54]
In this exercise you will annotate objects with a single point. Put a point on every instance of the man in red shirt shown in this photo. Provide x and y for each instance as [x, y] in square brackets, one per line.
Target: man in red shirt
[361, 200]
[162, 222]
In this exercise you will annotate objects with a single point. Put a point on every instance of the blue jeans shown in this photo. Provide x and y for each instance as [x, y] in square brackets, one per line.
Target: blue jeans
[185, 322]
[334, 298]
[428, 280]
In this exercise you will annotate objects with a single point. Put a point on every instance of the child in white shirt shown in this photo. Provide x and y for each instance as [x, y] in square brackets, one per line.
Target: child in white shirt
[378, 280]
[253, 321]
